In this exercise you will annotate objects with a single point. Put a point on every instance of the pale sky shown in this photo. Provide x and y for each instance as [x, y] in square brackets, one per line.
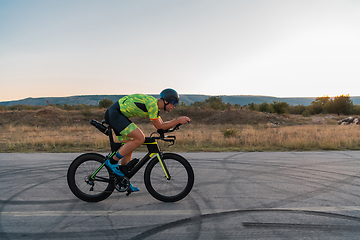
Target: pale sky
[282, 48]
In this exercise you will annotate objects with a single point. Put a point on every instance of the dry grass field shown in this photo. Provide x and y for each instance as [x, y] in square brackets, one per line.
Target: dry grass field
[53, 130]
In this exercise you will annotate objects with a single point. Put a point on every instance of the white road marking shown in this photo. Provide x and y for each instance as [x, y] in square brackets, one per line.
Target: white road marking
[99, 213]
[169, 212]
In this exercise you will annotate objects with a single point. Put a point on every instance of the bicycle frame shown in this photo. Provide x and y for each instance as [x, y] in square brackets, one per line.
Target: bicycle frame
[153, 149]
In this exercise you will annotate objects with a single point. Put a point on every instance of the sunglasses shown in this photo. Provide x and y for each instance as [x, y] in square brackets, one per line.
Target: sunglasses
[174, 102]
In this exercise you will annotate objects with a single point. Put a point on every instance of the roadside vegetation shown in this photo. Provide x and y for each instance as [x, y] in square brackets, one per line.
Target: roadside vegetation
[215, 126]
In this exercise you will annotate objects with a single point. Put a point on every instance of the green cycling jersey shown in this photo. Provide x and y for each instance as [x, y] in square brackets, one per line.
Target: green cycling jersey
[140, 105]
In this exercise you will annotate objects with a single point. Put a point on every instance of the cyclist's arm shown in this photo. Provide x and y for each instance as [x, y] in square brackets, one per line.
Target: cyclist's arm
[159, 124]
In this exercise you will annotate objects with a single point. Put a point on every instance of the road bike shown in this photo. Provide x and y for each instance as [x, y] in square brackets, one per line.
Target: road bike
[168, 177]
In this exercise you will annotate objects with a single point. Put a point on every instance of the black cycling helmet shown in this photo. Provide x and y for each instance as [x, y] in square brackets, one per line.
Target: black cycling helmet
[170, 96]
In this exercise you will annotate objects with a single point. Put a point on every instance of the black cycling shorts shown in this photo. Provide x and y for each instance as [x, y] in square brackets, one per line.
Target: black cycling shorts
[121, 124]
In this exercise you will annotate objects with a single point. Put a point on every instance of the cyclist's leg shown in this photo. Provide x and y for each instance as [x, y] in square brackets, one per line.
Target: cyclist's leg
[137, 139]
[126, 159]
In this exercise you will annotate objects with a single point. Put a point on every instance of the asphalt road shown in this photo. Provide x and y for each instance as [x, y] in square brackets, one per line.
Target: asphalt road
[290, 195]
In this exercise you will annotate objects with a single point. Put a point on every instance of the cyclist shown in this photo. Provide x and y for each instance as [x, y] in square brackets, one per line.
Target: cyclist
[117, 116]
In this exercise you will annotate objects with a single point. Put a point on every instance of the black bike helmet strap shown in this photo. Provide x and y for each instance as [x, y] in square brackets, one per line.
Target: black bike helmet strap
[165, 104]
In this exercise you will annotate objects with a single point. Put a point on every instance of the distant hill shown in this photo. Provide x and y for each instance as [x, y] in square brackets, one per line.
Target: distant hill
[187, 98]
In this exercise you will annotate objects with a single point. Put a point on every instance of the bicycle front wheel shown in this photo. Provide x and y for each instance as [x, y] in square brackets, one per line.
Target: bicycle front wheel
[177, 186]
[82, 185]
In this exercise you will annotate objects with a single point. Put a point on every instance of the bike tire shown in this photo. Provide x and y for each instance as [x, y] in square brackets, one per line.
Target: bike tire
[79, 172]
[180, 183]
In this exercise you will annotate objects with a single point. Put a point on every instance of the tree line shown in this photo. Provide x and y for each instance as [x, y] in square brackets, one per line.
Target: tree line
[341, 105]
[322, 105]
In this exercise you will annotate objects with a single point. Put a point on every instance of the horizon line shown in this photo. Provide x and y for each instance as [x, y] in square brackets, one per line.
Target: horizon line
[220, 95]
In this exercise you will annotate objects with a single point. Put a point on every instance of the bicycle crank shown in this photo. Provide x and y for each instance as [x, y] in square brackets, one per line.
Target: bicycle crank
[122, 184]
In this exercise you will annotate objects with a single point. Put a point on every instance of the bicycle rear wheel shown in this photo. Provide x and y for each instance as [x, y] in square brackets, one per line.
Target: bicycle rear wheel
[80, 182]
[181, 178]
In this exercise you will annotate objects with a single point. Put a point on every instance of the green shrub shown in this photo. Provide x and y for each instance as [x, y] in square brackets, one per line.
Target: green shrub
[357, 109]
[298, 109]
[306, 113]
[215, 103]
[105, 103]
[279, 107]
[86, 110]
[252, 106]
[229, 133]
[264, 107]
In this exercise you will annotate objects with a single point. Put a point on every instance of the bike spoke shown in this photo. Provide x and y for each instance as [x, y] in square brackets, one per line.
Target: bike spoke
[90, 186]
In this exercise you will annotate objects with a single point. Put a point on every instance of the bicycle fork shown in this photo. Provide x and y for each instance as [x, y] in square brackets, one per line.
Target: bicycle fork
[163, 165]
